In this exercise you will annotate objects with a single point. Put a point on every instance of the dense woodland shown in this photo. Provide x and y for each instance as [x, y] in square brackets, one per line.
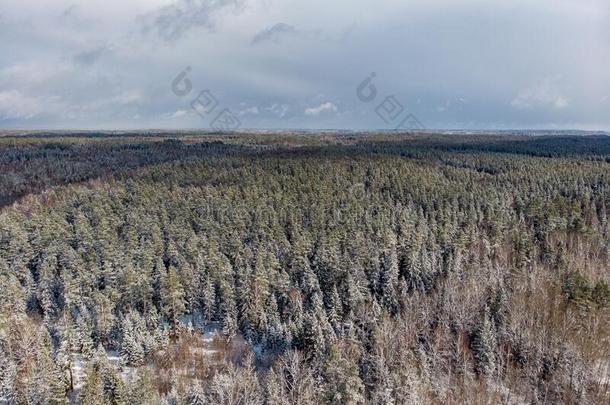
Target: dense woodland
[335, 269]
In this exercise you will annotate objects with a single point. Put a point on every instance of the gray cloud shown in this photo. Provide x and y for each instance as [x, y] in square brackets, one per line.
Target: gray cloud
[89, 57]
[70, 11]
[75, 17]
[281, 31]
[175, 20]
[517, 63]
[274, 33]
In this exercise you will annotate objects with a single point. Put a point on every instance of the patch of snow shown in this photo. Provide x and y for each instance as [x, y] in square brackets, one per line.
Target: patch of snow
[208, 334]
[210, 331]
[186, 320]
[258, 350]
[78, 370]
[114, 357]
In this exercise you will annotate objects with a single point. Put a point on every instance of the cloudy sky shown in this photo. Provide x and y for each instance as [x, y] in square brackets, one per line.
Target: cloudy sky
[469, 64]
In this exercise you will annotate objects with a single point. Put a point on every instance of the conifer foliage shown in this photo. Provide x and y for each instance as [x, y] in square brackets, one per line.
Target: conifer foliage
[335, 269]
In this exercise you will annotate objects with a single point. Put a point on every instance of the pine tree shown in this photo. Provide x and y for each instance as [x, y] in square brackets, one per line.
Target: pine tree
[312, 337]
[275, 392]
[12, 304]
[132, 347]
[382, 391]
[259, 294]
[389, 276]
[92, 391]
[354, 296]
[47, 290]
[58, 387]
[228, 310]
[64, 360]
[8, 378]
[114, 387]
[343, 384]
[87, 346]
[275, 336]
[172, 296]
[484, 344]
[104, 316]
[208, 299]
[196, 396]
[244, 301]
[142, 389]
[335, 309]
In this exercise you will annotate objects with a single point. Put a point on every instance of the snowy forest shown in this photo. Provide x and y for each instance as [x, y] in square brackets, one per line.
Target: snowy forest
[299, 269]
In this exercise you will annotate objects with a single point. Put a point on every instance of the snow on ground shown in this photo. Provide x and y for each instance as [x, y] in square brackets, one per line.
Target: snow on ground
[78, 366]
[114, 358]
[208, 333]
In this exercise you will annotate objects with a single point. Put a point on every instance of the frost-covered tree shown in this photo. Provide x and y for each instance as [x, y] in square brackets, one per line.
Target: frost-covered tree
[133, 340]
[388, 283]
[236, 386]
[92, 391]
[196, 396]
[484, 343]
[172, 295]
[343, 383]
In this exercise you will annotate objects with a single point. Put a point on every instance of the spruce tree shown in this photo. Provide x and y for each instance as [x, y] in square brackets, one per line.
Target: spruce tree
[196, 396]
[172, 295]
[389, 276]
[92, 391]
[343, 384]
[87, 346]
[484, 344]
[132, 346]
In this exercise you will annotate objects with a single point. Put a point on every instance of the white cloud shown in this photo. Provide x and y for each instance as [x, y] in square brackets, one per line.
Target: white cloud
[544, 94]
[444, 107]
[128, 97]
[249, 111]
[33, 75]
[560, 102]
[15, 105]
[322, 108]
[279, 110]
[177, 114]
